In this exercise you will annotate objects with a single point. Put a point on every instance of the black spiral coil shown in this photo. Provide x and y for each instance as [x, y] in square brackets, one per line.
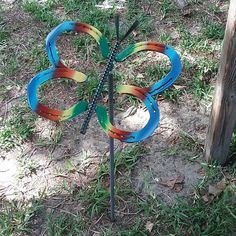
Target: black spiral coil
[98, 92]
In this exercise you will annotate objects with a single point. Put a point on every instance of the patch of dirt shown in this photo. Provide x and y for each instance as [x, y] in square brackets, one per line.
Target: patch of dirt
[21, 37]
[30, 170]
[156, 164]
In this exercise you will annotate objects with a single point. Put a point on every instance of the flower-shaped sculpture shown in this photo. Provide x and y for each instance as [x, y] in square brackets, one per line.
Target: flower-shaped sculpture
[59, 70]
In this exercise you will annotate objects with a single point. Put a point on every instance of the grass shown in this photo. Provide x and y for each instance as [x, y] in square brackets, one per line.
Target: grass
[53, 140]
[3, 30]
[18, 127]
[97, 195]
[15, 217]
[188, 142]
[11, 67]
[187, 147]
[97, 17]
[27, 168]
[213, 30]
[87, 89]
[191, 44]
[214, 172]
[172, 95]
[134, 12]
[166, 7]
[64, 224]
[186, 217]
[195, 217]
[159, 70]
[89, 47]
[42, 12]
[164, 38]
[233, 143]
[3, 35]
[135, 230]
[39, 58]
[190, 216]
[172, 151]
[198, 218]
[195, 44]
[200, 73]
[214, 7]
[201, 89]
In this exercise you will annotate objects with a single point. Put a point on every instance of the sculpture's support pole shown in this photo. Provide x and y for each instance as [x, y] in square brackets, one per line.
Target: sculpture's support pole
[111, 149]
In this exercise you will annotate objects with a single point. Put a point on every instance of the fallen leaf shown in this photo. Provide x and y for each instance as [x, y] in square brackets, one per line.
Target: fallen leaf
[105, 99]
[173, 182]
[149, 226]
[181, 3]
[96, 234]
[130, 81]
[179, 87]
[187, 13]
[134, 33]
[140, 76]
[205, 198]
[178, 187]
[160, 98]
[233, 181]
[201, 172]
[129, 112]
[214, 191]
[217, 189]
[49, 210]
[175, 35]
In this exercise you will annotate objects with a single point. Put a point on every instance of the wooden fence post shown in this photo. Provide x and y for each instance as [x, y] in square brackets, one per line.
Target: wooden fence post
[223, 113]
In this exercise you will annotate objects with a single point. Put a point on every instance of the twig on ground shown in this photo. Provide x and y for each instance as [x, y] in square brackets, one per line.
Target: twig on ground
[67, 212]
[96, 221]
[128, 213]
[208, 13]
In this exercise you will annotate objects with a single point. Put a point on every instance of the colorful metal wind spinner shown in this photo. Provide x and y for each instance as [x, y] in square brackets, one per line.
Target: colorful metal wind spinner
[59, 70]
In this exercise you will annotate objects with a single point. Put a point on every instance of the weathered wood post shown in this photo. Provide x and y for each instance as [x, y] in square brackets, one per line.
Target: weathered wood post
[223, 113]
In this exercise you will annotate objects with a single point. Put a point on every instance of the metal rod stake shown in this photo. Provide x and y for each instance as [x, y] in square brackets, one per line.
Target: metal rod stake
[111, 148]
